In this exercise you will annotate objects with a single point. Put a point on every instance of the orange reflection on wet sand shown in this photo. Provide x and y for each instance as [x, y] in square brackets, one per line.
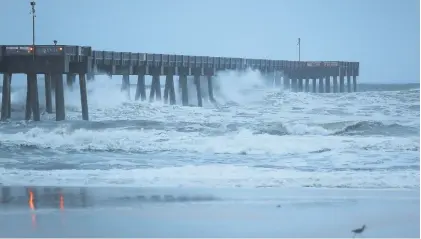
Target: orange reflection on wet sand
[32, 207]
[61, 202]
[31, 200]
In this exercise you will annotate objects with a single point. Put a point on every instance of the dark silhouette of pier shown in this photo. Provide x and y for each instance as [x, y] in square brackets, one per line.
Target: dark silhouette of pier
[54, 61]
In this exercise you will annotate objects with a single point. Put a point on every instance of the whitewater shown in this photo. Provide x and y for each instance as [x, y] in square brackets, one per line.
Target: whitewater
[256, 136]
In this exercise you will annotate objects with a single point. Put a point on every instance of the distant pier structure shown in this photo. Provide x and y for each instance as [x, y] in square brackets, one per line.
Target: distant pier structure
[54, 61]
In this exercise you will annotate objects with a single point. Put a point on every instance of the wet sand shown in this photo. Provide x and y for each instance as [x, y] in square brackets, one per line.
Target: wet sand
[143, 212]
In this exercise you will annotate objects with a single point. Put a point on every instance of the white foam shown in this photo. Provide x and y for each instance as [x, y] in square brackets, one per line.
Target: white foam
[241, 142]
[216, 175]
[242, 88]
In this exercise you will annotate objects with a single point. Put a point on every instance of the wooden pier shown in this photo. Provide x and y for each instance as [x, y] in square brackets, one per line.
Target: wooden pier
[54, 61]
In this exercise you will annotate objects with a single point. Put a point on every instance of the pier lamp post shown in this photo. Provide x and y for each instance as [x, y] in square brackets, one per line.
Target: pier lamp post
[33, 28]
[299, 49]
[55, 42]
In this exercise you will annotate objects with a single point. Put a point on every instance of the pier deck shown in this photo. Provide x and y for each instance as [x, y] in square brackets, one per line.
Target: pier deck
[54, 61]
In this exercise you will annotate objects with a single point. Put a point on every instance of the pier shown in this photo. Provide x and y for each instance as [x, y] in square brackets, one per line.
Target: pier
[55, 61]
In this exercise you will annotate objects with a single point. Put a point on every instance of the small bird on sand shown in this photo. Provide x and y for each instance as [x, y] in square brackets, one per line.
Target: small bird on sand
[358, 231]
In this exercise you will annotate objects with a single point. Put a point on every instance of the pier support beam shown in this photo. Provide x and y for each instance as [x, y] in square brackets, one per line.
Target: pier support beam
[6, 97]
[83, 97]
[155, 88]
[198, 90]
[300, 85]
[60, 109]
[314, 85]
[210, 89]
[307, 85]
[348, 83]
[169, 91]
[341, 81]
[32, 103]
[354, 82]
[335, 84]
[184, 91]
[172, 91]
[35, 98]
[28, 108]
[140, 88]
[10, 96]
[321, 85]
[125, 85]
[48, 98]
[327, 88]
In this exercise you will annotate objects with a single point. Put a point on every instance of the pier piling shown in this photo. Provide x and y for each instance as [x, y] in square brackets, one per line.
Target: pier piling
[140, 88]
[155, 89]
[32, 104]
[354, 82]
[341, 82]
[300, 85]
[335, 84]
[172, 91]
[198, 90]
[10, 96]
[158, 87]
[59, 95]
[314, 85]
[321, 85]
[34, 100]
[307, 85]
[6, 97]
[125, 85]
[210, 89]
[48, 98]
[348, 83]
[152, 91]
[327, 88]
[184, 90]
[83, 97]
[169, 89]
[28, 108]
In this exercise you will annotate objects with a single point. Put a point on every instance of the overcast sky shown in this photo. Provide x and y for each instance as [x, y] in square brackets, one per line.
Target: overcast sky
[383, 35]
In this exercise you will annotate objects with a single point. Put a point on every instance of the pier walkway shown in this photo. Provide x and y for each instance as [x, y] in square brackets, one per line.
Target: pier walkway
[54, 61]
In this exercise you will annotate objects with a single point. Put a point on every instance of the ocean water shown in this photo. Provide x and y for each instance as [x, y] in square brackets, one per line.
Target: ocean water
[257, 136]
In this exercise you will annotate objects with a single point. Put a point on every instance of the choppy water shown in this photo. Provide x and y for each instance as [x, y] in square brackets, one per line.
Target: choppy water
[257, 137]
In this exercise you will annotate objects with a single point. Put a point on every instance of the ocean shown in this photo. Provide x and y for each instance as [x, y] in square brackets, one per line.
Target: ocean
[256, 137]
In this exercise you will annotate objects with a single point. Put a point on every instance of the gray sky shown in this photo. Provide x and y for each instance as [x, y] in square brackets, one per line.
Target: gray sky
[383, 35]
